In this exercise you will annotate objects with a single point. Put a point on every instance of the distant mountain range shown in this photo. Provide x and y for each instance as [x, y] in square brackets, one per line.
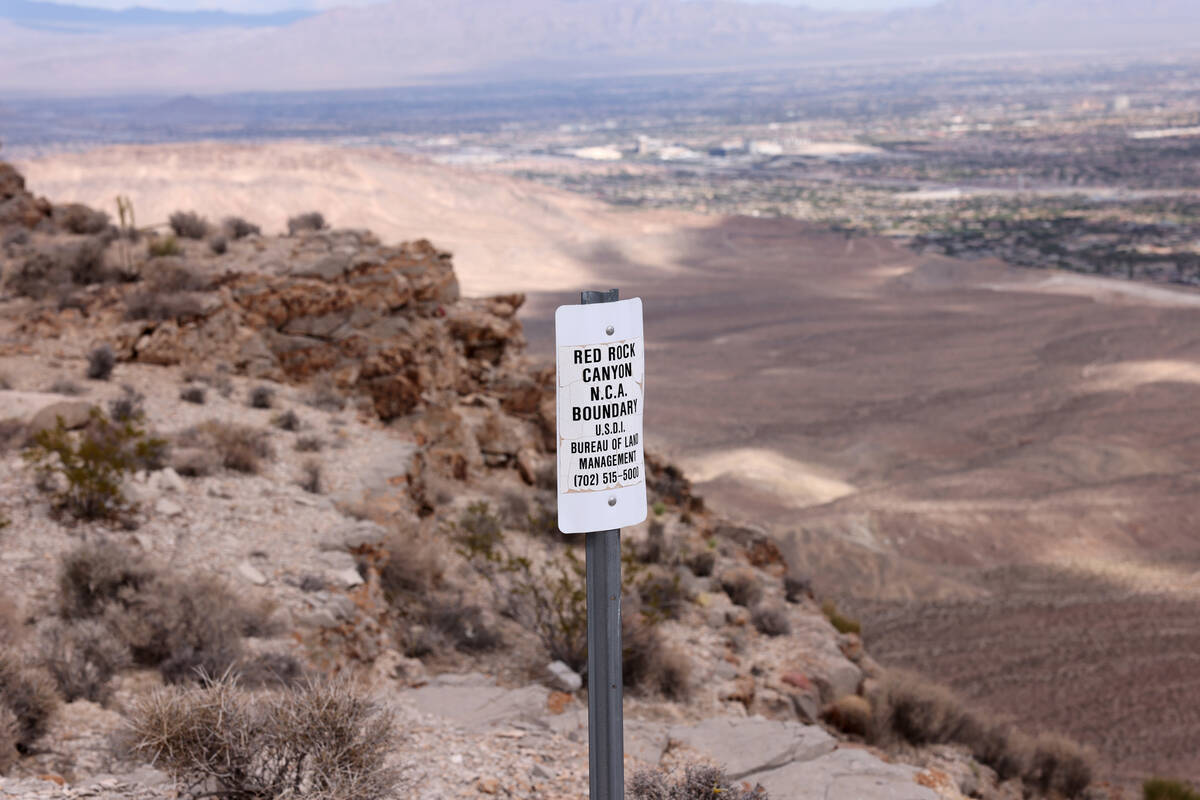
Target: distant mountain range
[71, 18]
[417, 40]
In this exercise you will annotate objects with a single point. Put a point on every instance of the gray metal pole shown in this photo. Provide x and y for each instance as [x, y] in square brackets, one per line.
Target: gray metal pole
[606, 725]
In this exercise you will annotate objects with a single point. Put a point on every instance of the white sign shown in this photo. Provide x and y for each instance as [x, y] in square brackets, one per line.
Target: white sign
[601, 391]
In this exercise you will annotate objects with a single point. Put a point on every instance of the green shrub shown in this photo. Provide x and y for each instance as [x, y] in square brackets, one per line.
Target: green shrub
[698, 782]
[318, 739]
[662, 594]
[93, 464]
[162, 246]
[1164, 789]
[842, 623]
[659, 508]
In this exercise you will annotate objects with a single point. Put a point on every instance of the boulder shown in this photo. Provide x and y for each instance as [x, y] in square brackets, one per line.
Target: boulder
[844, 774]
[562, 677]
[75, 414]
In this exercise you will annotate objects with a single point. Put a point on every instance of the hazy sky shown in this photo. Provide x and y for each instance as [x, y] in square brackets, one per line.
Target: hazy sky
[283, 5]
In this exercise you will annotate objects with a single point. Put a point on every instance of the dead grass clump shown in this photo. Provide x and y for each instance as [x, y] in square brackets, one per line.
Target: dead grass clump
[50, 271]
[310, 477]
[29, 695]
[66, 387]
[312, 221]
[100, 363]
[270, 669]
[325, 396]
[188, 224]
[919, 712]
[796, 588]
[218, 245]
[742, 585]
[12, 629]
[184, 626]
[10, 729]
[412, 565]
[193, 394]
[849, 714]
[128, 406]
[654, 549]
[82, 656]
[649, 664]
[287, 421]
[698, 782]
[92, 576]
[262, 397]
[238, 228]
[78, 218]
[464, 627]
[158, 306]
[320, 739]
[771, 620]
[702, 563]
[662, 594]
[840, 622]
[240, 448]
[310, 444]
[1059, 765]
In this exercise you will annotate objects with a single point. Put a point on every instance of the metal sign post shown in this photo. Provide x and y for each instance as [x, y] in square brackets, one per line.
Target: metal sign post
[601, 484]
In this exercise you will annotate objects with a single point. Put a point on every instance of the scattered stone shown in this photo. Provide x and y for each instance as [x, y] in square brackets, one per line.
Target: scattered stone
[251, 573]
[348, 578]
[562, 677]
[488, 785]
[169, 508]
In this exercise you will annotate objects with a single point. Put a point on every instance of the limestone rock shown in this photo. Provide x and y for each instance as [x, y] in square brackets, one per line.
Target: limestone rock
[74, 413]
[844, 774]
[748, 746]
[251, 573]
[562, 677]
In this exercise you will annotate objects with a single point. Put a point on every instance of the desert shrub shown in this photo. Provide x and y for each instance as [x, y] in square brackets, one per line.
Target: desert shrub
[127, 406]
[649, 664]
[702, 563]
[743, 586]
[10, 730]
[262, 397]
[66, 387]
[6, 383]
[325, 396]
[551, 601]
[240, 448]
[663, 595]
[93, 464]
[163, 246]
[849, 714]
[175, 277]
[238, 228]
[463, 626]
[312, 221]
[78, 218]
[100, 363]
[659, 508]
[82, 656]
[12, 629]
[185, 626]
[771, 620]
[287, 421]
[29, 695]
[45, 272]
[11, 430]
[319, 739]
[842, 623]
[270, 669]
[310, 477]
[411, 566]
[479, 533]
[1164, 789]
[193, 394]
[159, 306]
[796, 588]
[919, 712]
[698, 782]
[188, 225]
[310, 444]
[1003, 748]
[1059, 765]
[654, 549]
[92, 576]
[219, 245]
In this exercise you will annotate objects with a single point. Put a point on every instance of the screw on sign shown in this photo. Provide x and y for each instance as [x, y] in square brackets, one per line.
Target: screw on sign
[601, 488]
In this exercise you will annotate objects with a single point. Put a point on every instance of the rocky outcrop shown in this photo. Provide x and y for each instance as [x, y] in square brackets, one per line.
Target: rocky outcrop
[17, 205]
